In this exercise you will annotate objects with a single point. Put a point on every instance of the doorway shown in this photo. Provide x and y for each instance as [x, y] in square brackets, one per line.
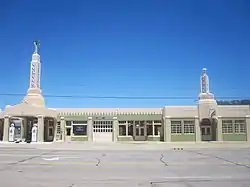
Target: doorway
[28, 129]
[206, 133]
[208, 130]
[1, 130]
[140, 133]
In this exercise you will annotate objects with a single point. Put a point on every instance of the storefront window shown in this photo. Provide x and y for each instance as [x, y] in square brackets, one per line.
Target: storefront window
[79, 130]
[149, 130]
[130, 128]
[157, 130]
[122, 130]
[68, 123]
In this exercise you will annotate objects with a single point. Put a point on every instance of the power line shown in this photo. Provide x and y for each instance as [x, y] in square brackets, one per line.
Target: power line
[125, 97]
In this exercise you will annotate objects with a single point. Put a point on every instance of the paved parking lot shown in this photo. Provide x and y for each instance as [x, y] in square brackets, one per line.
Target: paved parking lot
[31, 167]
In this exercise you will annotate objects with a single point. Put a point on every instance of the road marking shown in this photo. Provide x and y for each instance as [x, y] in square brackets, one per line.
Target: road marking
[51, 159]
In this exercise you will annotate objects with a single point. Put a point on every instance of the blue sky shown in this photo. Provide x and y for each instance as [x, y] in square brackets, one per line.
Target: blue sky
[125, 48]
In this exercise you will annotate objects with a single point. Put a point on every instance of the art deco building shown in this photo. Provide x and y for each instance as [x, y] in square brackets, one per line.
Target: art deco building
[203, 121]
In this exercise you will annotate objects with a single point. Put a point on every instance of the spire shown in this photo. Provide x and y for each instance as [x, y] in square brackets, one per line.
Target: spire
[35, 68]
[204, 81]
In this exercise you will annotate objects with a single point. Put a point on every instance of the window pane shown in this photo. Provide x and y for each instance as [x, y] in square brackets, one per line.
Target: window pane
[189, 127]
[149, 130]
[122, 130]
[79, 122]
[157, 130]
[227, 126]
[68, 131]
[50, 132]
[80, 130]
[239, 126]
[176, 127]
[130, 129]
[68, 123]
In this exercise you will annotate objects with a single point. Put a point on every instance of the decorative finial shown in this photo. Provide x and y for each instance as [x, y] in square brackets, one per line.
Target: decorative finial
[37, 45]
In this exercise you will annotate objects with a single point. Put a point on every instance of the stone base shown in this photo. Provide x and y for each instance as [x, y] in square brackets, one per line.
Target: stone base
[206, 96]
[34, 97]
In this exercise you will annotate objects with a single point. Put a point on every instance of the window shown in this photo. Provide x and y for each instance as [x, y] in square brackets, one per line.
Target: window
[149, 130]
[68, 133]
[79, 122]
[149, 122]
[122, 130]
[189, 127]
[79, 130]
[100, 122]
[103, 126]
[68, 123]
[50, 131]
[239, 126]
[176, 127]
[58, 129]
[51, 123]
[130, 128]
[157, 130]
[157, 122]
[122, 122]
[227, 126]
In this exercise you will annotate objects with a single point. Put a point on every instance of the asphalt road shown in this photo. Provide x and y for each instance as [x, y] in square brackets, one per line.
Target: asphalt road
[32, 167]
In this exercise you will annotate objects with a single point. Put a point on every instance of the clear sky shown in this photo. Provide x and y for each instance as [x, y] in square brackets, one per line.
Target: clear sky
[125, 48]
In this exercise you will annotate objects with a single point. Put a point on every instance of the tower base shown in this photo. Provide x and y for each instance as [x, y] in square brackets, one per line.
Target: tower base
[207, 106]
[34, 97]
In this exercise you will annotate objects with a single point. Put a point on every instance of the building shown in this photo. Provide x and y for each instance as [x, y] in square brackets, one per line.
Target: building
[205, 121]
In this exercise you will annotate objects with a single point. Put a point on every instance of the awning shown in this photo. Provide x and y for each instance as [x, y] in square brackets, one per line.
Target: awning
[25, 109]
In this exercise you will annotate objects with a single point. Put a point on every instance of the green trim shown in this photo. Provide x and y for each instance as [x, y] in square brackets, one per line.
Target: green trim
[125, 138]
[234, 137]
[79, 138]
[183, 138]
[154, 138]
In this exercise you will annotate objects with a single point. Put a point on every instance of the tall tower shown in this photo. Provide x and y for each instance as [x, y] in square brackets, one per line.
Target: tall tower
[34, 93]
[204, 81]
[207, 105]
[35, 68]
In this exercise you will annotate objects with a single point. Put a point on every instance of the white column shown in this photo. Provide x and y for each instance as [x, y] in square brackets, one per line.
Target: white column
[153, 130]
[167, 128]
[248, 127]
[40, 137]
[219, 129]
[197, 129]
[126, 128]
[90, 129]
[23, 124]
[6, 128]
[115, 126]
[63, 130]
[55, 130]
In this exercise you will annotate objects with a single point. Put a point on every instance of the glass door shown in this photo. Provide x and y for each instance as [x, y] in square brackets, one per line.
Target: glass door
[206, 133]
[140, 131]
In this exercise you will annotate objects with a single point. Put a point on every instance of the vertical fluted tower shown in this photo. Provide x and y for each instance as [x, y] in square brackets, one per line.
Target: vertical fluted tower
[207, 105]
[34, 94]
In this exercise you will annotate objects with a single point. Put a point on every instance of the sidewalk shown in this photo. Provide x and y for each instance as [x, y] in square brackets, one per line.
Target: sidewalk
[128, 145]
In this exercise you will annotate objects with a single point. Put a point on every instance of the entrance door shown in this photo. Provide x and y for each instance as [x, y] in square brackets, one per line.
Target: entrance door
[140, 131]
[68, 134]
[206, 133]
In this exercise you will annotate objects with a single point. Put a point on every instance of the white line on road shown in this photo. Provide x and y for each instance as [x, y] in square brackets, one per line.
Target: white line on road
[51, 159]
